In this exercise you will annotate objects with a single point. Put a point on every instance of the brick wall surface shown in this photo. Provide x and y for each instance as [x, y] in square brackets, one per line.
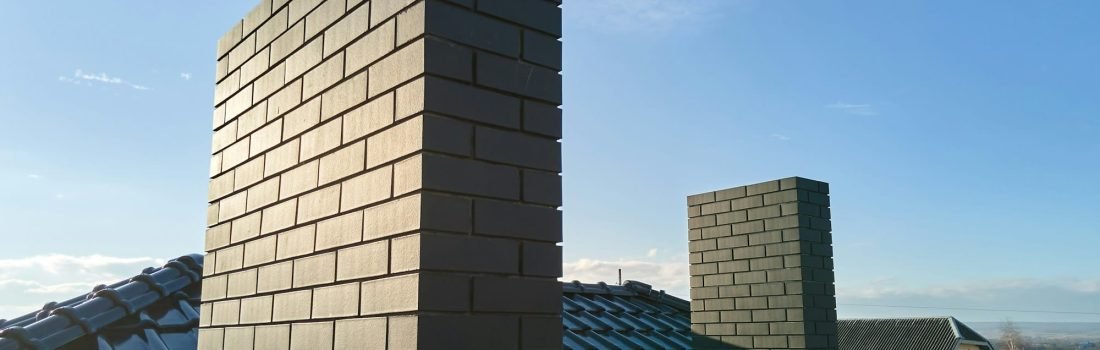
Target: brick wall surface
[385, 175]
[762, 267]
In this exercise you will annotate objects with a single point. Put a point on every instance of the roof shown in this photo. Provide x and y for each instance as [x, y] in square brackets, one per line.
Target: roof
[157, 309]
[942, 333]
[630, 316]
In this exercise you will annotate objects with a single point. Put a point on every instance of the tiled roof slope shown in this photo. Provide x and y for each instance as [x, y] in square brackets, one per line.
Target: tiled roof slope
[157, 309]
[943, 333]
[631, 316]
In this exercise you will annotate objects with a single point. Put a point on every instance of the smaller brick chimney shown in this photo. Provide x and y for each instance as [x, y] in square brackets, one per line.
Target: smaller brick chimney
[762, 267]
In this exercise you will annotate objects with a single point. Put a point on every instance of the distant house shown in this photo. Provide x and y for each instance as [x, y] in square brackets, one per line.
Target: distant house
[943, 333]
[158, 309]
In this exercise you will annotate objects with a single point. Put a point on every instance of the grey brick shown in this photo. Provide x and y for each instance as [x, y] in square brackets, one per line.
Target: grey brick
[471, 28]
[701, 221]
[717, 255]
[719, 304]
[786, 222]
[700, 199]
[800, 183]
[704, 293]
[448, 252]
[748, 252]
[705, 317]
[771, 315]
[733, 266]
[734, 291]
[747, 202]
[716, 231]
[785, 301]
[716, 207]
[788, 196]
[718, 280]
[443, 292]
[496, 294]
[770, 263]
[693, 211]
[764, 212]
[502, 219]
[751, 303]
[517, 149]
[702, 245]
[766, 238]
[731, 217]
[720, 329]
[542, 187]
[752, 329]
[541, 118]
[517, 77]
[732, 193]
[736, 316]
[748, 227]
[788, 274]
[750, 277]
[453, 98]
[733, 242]
[761, 188]
[769, 341]
[472, 331]
[542, 259]
[703, 269]
[542, 49]
[817, 198]
[470, 177]
[540, 332]
[767, 289]
[537, 14]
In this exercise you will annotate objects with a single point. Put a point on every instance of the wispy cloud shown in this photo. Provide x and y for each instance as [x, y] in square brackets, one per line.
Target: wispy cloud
[670, 276]
[185, 76]
[34, 176]
[81, 77]
[852, 108]
[55, 263]
[986, 289]
[35, 280]
[652, 16]
[651, 253]
[781, 137]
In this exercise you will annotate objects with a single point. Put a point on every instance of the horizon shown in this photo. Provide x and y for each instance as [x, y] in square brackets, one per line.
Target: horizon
[958, 140]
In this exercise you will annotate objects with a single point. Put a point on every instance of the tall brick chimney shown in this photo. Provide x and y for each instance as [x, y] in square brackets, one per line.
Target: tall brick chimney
[385, 175]
[762, 267]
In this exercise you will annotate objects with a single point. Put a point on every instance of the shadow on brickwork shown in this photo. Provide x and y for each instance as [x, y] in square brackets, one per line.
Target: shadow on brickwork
[703, 342]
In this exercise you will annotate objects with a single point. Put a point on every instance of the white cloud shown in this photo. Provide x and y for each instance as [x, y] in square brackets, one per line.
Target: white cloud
[669, 276]
[651, 253]
[851, 108]
[986, 289]
[652, 16]
[80, 77]
[34, 176]
[55, 263]
[27, 283]
[185, 76]
[781, 137]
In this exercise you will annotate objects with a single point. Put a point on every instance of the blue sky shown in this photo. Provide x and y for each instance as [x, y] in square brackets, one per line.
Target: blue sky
[959, 139]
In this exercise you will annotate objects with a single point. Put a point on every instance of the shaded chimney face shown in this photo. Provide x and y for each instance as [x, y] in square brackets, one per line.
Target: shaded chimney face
[385, 175]
[762, 267]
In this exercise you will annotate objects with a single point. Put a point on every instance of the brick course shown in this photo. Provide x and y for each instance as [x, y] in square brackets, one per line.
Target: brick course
[761, 267]
[354, 142]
